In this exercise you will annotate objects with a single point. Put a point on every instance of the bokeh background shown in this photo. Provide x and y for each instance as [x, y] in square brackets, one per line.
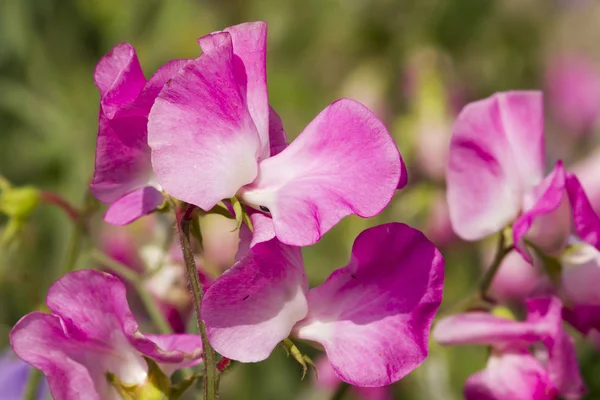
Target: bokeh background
[415, 63]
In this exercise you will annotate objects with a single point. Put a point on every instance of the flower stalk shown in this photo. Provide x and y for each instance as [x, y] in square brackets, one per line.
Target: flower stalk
[183, 220]
[501, 251]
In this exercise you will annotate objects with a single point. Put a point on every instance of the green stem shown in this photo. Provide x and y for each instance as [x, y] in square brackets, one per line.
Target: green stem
[33, 382]
[501, 251]
[132, 277]
[341, 391]
[210, 368]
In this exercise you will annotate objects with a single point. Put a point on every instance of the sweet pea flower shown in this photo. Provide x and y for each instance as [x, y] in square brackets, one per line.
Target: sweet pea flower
[513, 372]
[214, 136]
[90, 333]
[123, 175]
[14, 374]
[495, 177]
[372, 317]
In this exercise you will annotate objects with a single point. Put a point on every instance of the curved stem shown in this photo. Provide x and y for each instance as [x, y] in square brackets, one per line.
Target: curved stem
[501, 251]
[33, 383]
[132, 277]
[57, 200]
[183, 219]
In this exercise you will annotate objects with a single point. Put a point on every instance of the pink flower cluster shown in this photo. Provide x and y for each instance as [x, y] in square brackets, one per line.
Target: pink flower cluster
[202, 132]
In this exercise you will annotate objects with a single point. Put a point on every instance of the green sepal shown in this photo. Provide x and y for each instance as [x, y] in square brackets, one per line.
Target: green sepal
[552, 265]
[19, 202]
[241, 216]
[302, 359]
[503, 312]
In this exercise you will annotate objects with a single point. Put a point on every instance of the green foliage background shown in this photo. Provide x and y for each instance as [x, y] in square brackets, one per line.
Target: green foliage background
[319, 50]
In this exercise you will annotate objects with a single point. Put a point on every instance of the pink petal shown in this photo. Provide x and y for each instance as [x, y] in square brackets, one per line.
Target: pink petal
[40, 340]
[122, 152]
[345, 162]
[277, 136]
[478, 327]
[516, 279]
[546, 220]
[585, 220]
[122, 157]
[373, 316]
[119, 77]
[133, 206]
[204, 142]
[250, 61]
[189, 347]
[587, 172]
[496, 156]
[581, 274]
[254, 305]
[96, 303]
[511, 376]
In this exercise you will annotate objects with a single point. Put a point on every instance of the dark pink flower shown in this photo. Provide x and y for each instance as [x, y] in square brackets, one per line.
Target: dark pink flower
[213, 136]
[372, 317]
[513, 371]
[123, 175]
[91, 332]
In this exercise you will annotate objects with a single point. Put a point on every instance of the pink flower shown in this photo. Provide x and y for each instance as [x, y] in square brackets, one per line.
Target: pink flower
[90, 333]
[123, 175]
[514, 372]
[213, 136]
[574, 92]
[495, 177]
[372, 317]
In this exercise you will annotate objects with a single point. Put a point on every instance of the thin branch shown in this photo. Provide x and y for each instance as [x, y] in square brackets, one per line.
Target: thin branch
[211, 381]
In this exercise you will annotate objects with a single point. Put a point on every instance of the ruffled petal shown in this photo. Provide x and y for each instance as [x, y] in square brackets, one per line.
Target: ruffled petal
[496, 156]
[585, 220]
[546, 218]
[122, 157]
[122, 154]
[250, 62]
[254, 305]
[39, 339]
[133, 206]
[204, 142]
[511, 376]
[345, 162]
[119, 77]
[373, 316]
[175, 351]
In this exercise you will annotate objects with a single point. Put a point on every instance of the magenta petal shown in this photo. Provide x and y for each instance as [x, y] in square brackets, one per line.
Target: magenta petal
[496, 156]
[511, 376]
[204, 142]
[254, 305]
[546, 220]
[133, 206]
[345, 162]
[559, 347]
[119, 78]
[585, 220]
[277, 136]
[40, 340]
[250, 61]
[478, 327]
[373, 316]
[174, 351]
[122, 157]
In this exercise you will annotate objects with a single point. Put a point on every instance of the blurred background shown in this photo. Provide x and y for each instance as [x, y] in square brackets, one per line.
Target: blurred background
[415, 63]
